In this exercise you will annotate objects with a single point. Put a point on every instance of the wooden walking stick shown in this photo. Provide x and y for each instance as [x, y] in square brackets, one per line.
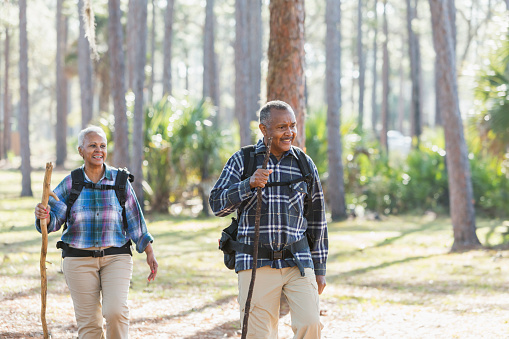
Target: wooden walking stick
[46, 192]
[255, 244]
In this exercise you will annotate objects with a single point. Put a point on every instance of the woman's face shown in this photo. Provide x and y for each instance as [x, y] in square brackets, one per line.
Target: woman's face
[94, 150]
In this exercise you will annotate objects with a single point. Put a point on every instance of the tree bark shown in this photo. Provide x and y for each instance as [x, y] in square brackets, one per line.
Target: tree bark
[255, 56]
[385, 83]
[84, 71]
[242, 83]
[285, 78]
[374, 107]
[132, 41]
[138, 83]
[362, 66]
[62, 86]
[6, 101]
[26, 169]
[335, 183]
[458, 167]
[415, 74]
[117, 74]
[152, 53]
[168, 33]
[210, 76]
[507, 4]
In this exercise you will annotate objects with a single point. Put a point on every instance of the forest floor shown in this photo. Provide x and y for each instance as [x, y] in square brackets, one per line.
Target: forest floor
[393, 278]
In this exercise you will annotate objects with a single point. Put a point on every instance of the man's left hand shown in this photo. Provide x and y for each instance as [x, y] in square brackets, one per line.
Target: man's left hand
[320, 280]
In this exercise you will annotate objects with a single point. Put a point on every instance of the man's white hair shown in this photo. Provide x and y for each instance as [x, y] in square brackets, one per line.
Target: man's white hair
[86, 131]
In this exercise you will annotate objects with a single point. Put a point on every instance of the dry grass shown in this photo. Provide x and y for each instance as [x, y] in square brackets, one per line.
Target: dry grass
[393, 278]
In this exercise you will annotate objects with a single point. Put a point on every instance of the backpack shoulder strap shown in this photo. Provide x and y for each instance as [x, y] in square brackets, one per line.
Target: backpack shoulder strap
[305, 169]
[121, 190]
[78, 182]
[248, 153]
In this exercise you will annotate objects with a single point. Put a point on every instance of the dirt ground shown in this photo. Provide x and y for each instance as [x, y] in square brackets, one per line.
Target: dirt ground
[192, 318]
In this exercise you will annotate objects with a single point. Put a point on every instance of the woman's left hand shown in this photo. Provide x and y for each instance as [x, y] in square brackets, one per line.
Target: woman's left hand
[152, 262]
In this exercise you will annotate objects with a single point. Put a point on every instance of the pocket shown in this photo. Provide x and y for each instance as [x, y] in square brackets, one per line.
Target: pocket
[297, 196]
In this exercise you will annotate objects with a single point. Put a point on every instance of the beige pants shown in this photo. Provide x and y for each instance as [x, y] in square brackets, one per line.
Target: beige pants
[301, 293]
[88, 278]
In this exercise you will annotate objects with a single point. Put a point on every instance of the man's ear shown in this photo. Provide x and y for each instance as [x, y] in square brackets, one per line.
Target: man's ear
[79, 151]
[263, 128]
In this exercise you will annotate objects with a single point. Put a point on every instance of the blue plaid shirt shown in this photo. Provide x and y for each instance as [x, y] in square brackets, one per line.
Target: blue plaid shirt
[282, 221]
[95, 218]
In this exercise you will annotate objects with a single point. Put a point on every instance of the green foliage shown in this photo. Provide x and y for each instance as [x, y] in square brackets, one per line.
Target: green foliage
[492, 97]
[316, 139]
[183, 149]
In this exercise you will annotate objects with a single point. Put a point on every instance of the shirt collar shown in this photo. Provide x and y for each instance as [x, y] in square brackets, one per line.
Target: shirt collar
[261, 148]
[107, 173]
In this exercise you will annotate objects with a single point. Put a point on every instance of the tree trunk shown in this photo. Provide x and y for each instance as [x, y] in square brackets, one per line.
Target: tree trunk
[362, 66]
[385, 83]
[62, 86]
[152, 54]
[242, 83]
[117, 74]
[139, 81]
[23, 123]
[401, 97]
[210, 76]
[415, 74]
[507, 4]
[255, 56]
[285, 78]
[374, 107]
[458, 167]
[132, 41]
[84, 71]
[168, 32]
[335, 183]
[6, 101]
[103, 70]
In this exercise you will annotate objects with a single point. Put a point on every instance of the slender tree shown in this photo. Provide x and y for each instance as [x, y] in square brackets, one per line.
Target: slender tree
[385, 82]
[374, 107]
[84, 70]
[61, 84]
[362, 66]
[507, 4]
[285, 78]
[242, 83]
[168, 35]
[132, 41]
[335, 184]
[152, 53]
[210, 76]
[458, 167]
[6, 100]
[138, 84]
[26, 169]
[117, 73]
[255, 56]
[414, 50]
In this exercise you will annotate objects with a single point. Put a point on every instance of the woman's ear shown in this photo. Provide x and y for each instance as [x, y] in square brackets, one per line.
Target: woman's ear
[263, 128]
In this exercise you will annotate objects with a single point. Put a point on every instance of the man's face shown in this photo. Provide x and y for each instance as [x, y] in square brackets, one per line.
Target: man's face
[282, 127]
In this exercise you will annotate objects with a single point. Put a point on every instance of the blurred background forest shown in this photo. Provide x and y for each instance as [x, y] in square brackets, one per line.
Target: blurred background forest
[402, 105]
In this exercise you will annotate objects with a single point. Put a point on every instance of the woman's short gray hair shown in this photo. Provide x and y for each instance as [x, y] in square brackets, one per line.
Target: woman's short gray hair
[86, 131]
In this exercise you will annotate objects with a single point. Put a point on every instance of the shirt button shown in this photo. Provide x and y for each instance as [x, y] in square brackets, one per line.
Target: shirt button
[97, 214]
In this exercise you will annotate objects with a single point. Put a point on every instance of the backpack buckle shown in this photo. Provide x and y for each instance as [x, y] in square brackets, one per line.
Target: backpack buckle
[276, 255]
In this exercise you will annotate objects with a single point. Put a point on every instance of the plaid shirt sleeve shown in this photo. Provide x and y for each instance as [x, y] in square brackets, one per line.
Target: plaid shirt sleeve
[317, 227]
[229, 191]
[136, 225]
[58, 208]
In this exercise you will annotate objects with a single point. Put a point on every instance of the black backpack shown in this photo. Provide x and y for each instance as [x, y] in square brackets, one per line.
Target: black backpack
[120, 187]
[228, 242]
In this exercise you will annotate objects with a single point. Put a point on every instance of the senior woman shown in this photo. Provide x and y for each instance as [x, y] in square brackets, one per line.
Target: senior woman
[96, 240]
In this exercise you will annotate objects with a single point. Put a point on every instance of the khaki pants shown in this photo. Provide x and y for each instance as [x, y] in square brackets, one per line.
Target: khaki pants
[88, 278]
[301, 293]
